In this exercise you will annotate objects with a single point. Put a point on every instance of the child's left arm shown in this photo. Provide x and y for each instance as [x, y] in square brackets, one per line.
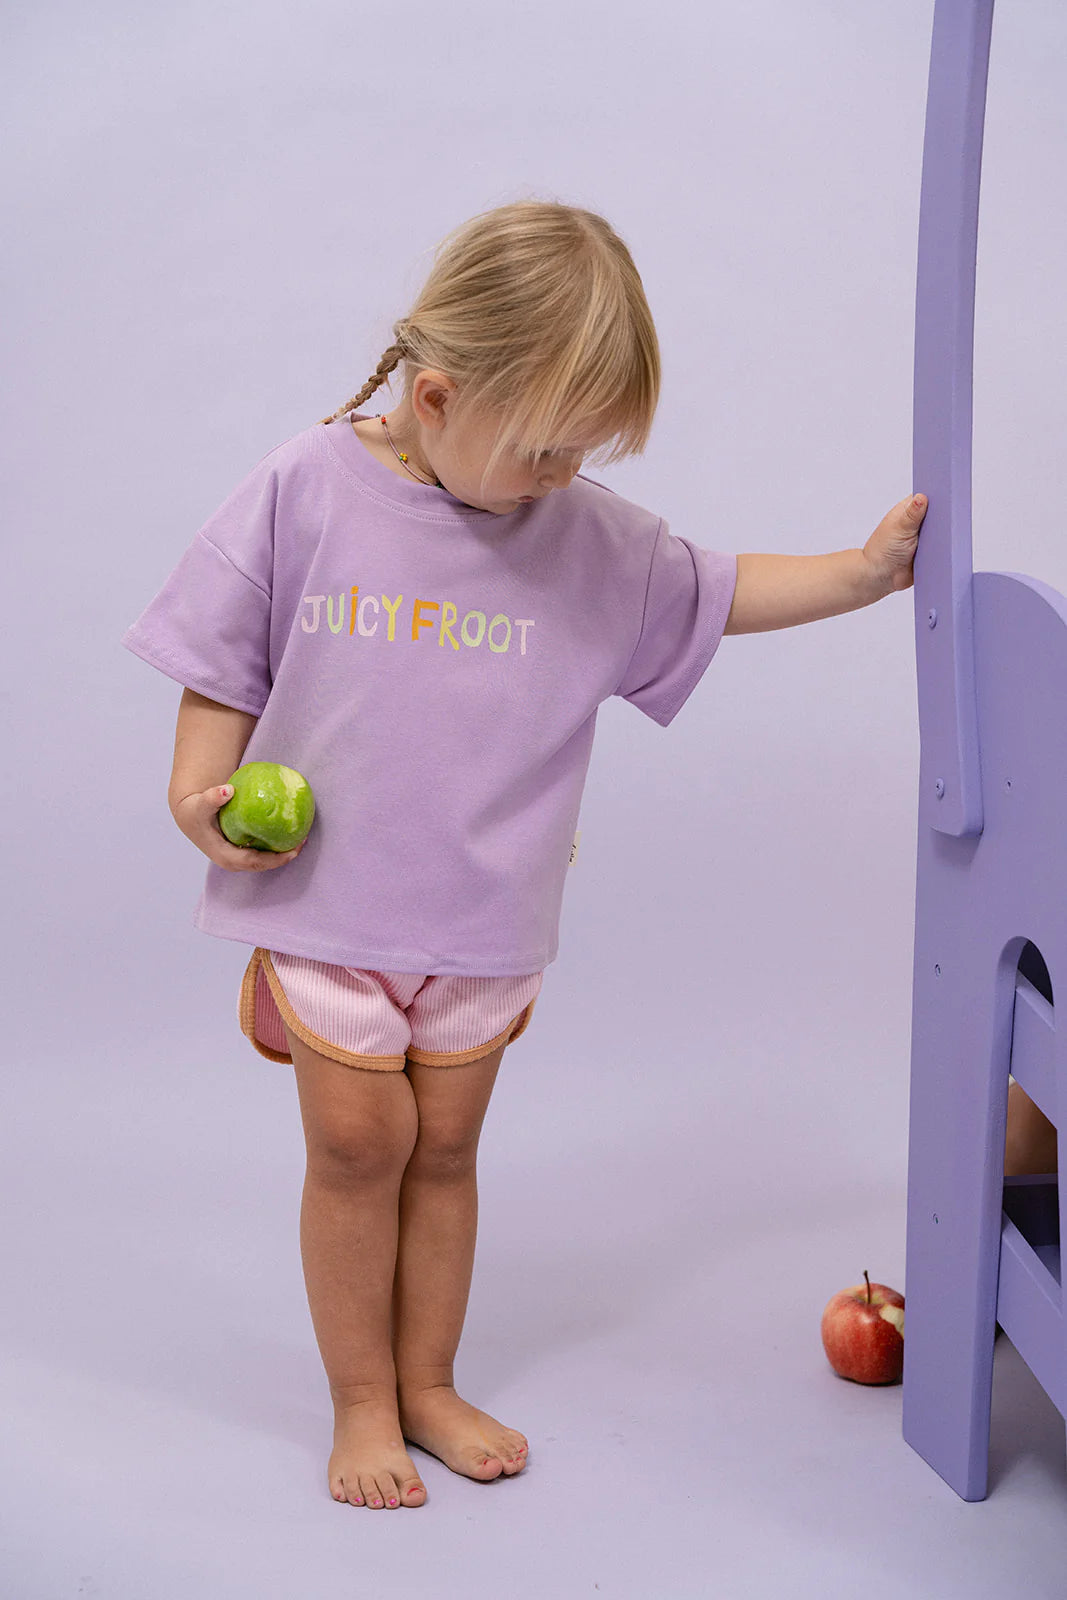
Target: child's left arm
[780, 591]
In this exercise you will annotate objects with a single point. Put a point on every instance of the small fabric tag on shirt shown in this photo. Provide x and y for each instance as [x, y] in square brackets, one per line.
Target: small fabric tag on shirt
[574, 848]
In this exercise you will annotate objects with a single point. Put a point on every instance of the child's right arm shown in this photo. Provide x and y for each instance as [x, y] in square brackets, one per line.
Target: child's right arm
[209, 742]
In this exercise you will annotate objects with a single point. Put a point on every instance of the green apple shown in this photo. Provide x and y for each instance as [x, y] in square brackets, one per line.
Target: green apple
[271, 808]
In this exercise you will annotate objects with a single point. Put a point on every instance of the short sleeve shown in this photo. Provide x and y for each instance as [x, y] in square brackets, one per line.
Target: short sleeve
[209, 625]
[690, 592]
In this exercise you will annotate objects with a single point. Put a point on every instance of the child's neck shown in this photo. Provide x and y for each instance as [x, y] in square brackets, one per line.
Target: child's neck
[370, 433]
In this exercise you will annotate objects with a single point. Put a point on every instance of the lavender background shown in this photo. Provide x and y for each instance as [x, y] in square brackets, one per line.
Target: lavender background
[217, 212]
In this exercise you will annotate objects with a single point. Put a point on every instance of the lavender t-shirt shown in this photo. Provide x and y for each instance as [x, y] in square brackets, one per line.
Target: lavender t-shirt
[434, 671]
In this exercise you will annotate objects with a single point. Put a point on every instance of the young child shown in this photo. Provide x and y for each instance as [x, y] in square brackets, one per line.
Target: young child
[421, 612]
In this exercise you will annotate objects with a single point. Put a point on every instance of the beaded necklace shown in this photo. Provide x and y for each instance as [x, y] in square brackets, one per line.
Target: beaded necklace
[401, 455]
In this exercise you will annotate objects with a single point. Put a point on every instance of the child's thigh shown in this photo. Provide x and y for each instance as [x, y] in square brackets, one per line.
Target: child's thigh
[356, 1119]
[452, 1102]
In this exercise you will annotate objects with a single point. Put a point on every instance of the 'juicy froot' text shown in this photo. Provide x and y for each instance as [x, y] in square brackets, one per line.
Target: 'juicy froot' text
[351, 615]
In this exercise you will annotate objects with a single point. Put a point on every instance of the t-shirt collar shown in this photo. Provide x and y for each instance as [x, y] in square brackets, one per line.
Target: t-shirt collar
[387, 485]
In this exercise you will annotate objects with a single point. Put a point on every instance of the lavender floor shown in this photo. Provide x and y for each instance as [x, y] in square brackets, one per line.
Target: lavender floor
[642, 1310]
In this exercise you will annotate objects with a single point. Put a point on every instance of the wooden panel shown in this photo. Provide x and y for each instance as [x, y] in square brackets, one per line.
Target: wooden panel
[950, 783]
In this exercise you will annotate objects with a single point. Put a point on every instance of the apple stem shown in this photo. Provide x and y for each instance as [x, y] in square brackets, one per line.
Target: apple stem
[868, 1286]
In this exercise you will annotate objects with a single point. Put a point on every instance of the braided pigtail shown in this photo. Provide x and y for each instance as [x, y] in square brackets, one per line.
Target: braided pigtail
[391, 359]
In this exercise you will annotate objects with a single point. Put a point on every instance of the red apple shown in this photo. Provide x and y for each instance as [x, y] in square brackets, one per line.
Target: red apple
[863, 1333]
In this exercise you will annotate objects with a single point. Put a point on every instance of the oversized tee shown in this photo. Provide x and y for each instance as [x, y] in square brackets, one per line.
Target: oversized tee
[434, 670]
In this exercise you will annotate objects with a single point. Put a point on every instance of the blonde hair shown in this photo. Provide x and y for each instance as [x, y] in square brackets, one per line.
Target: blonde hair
[537, 313]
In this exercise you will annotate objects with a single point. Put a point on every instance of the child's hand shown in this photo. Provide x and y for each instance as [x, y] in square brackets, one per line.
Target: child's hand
[197, 817]
[891, 548]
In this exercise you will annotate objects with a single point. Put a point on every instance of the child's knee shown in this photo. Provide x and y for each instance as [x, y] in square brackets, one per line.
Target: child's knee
[360, 1125]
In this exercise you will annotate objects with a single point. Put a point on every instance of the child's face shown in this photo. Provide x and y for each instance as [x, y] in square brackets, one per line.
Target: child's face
[458, 448]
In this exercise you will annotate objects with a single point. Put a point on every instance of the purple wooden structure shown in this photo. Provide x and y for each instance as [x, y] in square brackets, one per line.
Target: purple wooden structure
[991, 888]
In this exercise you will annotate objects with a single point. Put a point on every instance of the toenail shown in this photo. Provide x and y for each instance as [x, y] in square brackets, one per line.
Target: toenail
[393, 1502]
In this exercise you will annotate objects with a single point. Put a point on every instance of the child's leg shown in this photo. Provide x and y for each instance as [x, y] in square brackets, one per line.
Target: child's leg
[435, 1261]
[1031, 1142]
[360, 1126]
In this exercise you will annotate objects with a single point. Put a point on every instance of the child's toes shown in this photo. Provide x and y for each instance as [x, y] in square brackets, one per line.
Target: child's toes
[413, 1493]
[389, 1491]
[483, 1464]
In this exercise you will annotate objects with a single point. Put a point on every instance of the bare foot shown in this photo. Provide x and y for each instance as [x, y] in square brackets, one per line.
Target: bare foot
[466, 1439]
[369, 1465]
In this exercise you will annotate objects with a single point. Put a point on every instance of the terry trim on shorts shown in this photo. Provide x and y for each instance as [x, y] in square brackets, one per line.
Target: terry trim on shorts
[350, 1058]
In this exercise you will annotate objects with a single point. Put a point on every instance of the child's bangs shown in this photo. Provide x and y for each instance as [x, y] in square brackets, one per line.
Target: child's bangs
[602, 422]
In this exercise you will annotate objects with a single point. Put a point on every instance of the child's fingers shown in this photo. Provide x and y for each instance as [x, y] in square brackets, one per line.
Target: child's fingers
[237, 858]
[206, 806]
[197, 817]
[216, 846]
[245, 858]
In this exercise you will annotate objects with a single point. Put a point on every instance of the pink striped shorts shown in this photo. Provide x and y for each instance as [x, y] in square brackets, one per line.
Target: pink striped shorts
[380, 1019]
